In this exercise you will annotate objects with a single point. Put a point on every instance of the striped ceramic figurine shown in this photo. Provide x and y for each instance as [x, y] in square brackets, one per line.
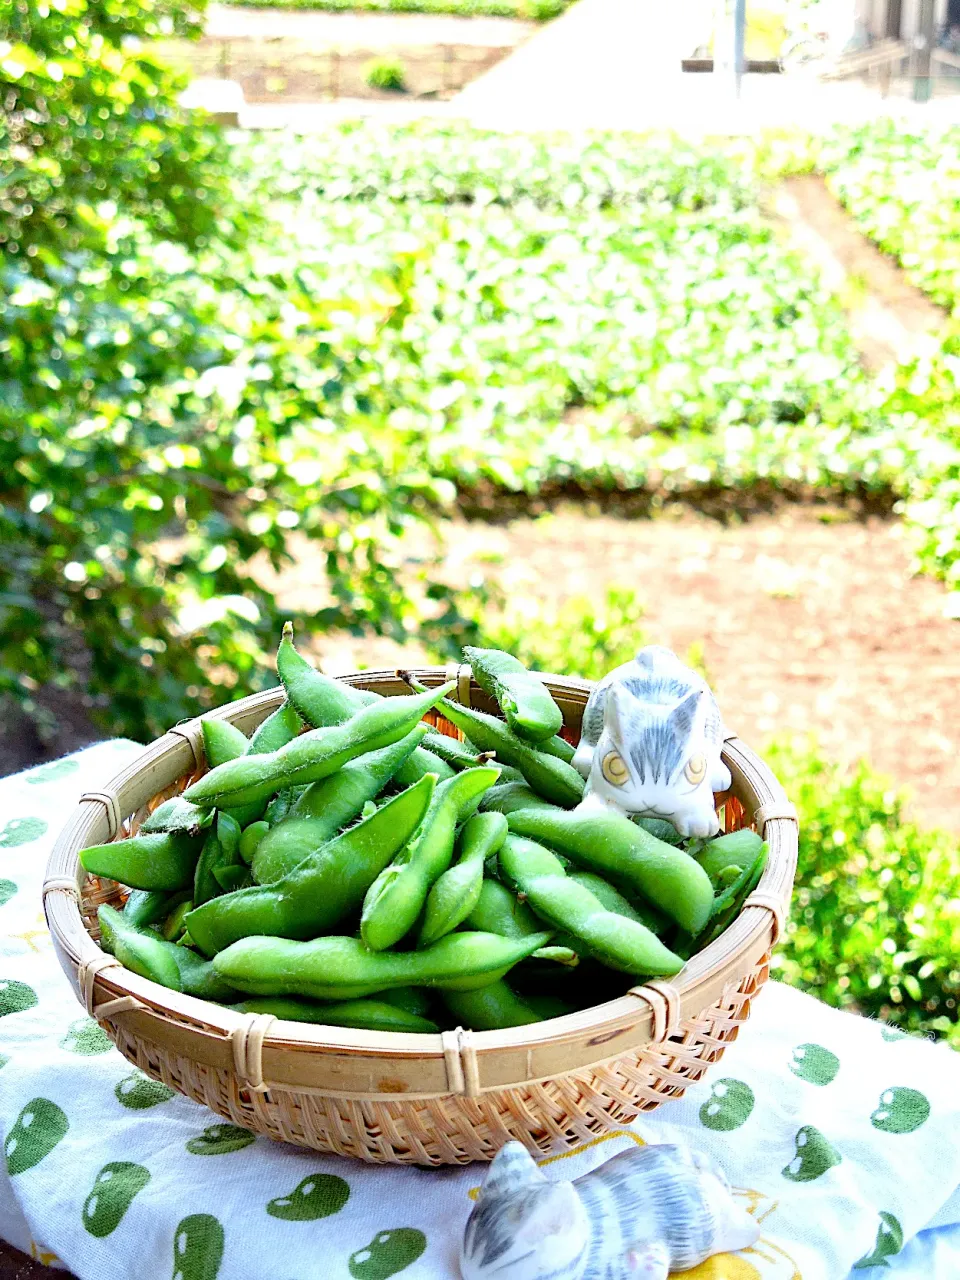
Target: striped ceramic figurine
[647, 1212]
[651, 743]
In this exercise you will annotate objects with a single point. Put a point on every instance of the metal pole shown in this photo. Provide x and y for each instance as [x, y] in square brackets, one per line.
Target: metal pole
[739, 40]
[922, 48]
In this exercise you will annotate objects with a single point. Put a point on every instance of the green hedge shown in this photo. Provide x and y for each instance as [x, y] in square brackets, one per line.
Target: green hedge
[529, 10]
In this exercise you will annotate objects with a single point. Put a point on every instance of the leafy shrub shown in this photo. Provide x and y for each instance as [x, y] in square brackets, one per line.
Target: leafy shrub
[171, 410]
[533, 10]
[573, 637]
[387, 74]
[875, 924]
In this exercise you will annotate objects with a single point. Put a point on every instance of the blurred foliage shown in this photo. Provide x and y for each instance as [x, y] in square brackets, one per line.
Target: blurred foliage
[574, 636]
[531, 10]
[169, 414]
[387, 74]
[875, 923]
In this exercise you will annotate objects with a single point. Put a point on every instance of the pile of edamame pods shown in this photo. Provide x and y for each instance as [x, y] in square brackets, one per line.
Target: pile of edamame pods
[349, 865]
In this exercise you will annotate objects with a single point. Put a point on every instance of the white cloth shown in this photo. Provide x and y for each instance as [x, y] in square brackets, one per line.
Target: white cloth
[824, 1121]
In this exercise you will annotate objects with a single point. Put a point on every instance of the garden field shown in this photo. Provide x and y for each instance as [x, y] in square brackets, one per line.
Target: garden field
[233, 365]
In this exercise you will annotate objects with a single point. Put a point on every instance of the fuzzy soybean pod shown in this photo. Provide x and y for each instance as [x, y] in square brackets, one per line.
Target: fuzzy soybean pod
[523, 698]
[251, 838]
[144, 907]
[222, 742]
[548, 775]
[619, 850]
[322, 702]
[499, 910]
[396, 898]
[371, 1015]
[177, 815]
[614, 900]
[508, 796]
[457, 891]
[164, 860]
[490, 1008]
[314, 755]
[171, 965]
[614, 939]
[726, 857]
[327, 806]
[338, 968]
[325, 887]
[279, 728]
[220, 849]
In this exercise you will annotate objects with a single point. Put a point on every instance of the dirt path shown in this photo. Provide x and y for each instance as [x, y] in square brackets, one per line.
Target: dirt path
[806, 625]
[364, 30]
[889, 317]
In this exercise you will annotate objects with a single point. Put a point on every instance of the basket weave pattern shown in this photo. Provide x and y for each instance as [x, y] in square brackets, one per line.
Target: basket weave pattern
[344, 1105]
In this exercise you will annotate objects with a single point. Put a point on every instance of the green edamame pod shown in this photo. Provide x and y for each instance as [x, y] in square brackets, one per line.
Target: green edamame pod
[558, 747]
[326, 806]
[412, 999]
[250, 839]
[490, 1008]
[316, 754]
[320, 700]
[198, 1248]
[145, 906]
[613, 846]
[323, 888]
[461, 755]
[230, 879]
[615, 940]
[112, 1194]
[548, 775]
[457, 891]
[660, 828]
[142, 953]
[177, 815]
[173, 925]
[279, 728]
[396, 898]
[343, 968]
[160, 861]
[728, 904]
[737, 849]
[614, 900]
[498, 910]
[212, 856]
[508, 796]
[371, 1015]
[281, 804]
[522, 696]
[222, 741]
[422, 762]
[171, 965]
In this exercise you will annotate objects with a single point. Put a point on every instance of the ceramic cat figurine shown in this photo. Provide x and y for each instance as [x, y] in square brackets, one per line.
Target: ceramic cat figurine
[651, 743]
[647, 1212]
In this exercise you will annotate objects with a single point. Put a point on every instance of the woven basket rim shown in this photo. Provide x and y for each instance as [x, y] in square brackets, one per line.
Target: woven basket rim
[507, 1057]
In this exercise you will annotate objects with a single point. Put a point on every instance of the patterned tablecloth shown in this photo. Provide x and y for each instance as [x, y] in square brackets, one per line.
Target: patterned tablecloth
[842, 1135]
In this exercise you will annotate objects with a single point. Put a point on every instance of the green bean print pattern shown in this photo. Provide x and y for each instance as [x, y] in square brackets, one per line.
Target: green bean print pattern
[890, 1034]
[317, 1196]
[815, 1064]
[387, 1253]
[889, 1242]
[3, 1060]
[21, 831]
[85, 1037]
[138, 1092]
[219, 1139]
[197, 1248]
[7, 891]
[814, 1156]
[900, 1111]
[15, 996]
[38, 1128]
[55, 769]
[729, 1106]
[112, 1194]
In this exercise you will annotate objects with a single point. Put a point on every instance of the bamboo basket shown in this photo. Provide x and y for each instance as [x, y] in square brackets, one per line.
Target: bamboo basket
[418, 1099]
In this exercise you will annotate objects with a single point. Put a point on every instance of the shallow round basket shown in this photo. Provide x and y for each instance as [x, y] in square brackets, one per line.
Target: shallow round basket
[418, 1099]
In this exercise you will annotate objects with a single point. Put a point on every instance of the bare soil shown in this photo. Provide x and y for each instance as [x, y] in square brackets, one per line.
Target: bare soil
[811, 623]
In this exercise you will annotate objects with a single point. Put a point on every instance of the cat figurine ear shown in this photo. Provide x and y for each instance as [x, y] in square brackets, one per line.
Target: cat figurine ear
[651, 744]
